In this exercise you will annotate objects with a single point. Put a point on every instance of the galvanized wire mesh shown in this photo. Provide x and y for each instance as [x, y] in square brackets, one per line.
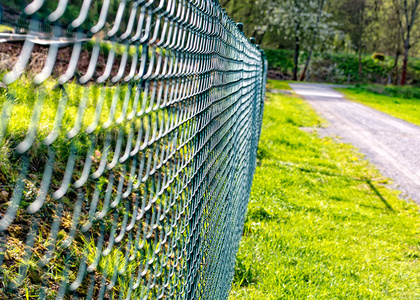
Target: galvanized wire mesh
[128, 139]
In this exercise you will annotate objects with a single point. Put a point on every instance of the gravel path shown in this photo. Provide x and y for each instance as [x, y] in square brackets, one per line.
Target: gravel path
[391, 144]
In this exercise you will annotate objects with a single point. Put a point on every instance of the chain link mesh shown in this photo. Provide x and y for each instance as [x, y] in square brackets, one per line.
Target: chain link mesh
[128, 139]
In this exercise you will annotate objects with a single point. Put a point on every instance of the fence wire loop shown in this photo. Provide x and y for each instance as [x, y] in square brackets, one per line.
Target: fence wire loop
[128, 140]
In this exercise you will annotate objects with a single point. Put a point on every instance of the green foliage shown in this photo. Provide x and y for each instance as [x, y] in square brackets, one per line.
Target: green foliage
[245, 274]
[373, 71]
[26, 97]
[279, 59]
[251, 13]
[336, 67]
[321, 224]
[107, 46]
[326, 69]
[345, 26]
[400, 102]
[414, 70]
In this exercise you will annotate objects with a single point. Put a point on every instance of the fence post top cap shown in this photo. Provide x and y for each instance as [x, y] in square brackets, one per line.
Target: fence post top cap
[252, 40]
[240, 26]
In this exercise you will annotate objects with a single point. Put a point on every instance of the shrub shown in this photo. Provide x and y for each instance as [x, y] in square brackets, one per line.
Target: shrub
[280, 60]
[325, 69]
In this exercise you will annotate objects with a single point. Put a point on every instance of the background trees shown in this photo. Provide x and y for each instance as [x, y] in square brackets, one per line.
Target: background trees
[407, 13]
[318, 27]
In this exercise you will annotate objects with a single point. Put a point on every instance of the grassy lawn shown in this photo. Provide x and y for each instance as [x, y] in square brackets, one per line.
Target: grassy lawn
[278, 84]
[321, 224]
[400, 102]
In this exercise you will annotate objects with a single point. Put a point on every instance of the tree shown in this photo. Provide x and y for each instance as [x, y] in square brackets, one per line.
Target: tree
[387, 31]
[407, 13]
[314, 26]
[298, 33]
[320, 7]
[251, 13]
[300, 21]
[357, 23]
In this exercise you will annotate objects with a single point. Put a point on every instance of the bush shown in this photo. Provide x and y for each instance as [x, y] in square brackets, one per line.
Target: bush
[326, 70]
[373, 71]
[280, 60]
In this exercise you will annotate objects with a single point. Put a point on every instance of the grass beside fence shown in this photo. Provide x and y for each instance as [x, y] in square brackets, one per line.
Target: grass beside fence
[321, 223]
[278, 85]
[400, 102]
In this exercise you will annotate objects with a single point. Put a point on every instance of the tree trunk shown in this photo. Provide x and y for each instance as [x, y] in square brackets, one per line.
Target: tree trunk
[395, 67]
[410, 14]
[360, 63]
[404, 67]
[296, 58]
[305, 69]
[314, 37]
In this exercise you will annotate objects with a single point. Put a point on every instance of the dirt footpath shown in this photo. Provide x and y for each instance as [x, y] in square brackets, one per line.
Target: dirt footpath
[391, 144]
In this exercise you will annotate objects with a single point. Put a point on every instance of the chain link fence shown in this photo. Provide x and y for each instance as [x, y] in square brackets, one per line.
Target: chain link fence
[128, 140]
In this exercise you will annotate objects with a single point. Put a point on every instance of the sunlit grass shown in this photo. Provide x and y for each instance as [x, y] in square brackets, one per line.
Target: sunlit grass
[278, 84]
[26, 97]
[21, 100]
[399, 105]
[321, 222]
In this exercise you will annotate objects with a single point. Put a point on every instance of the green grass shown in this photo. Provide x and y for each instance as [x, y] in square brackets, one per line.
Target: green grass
[321, 224]
[399, 102]
[21, 99]
[278, 85]
[406, 92]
